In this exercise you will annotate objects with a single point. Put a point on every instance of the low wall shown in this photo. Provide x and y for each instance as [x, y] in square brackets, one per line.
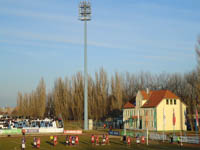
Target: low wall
[10, 131]
[31, 130]
[51, 130]
[73, 132]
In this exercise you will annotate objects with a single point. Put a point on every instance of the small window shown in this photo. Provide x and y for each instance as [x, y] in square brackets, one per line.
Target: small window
[174, 101]
[167, 101]
[171, 101]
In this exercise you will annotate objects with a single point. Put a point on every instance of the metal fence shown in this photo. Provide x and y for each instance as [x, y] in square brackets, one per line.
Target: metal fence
[156, 136]
[183, 139]
[188, 139]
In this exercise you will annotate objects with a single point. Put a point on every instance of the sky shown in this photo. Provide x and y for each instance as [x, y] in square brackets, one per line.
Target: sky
[44, 38]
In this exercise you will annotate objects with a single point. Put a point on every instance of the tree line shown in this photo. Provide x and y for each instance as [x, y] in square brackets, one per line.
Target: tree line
[106, 95]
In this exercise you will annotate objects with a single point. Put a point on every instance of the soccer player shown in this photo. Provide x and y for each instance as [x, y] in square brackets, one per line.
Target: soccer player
[104, 126]
[55, 140]
[92, 139]
[77, 140]
[97, 140]
[23, 143]
[38, 142]
[124, 139]
[103, 139]
[129, 141]
[51, 138]
[143, 140]
[107, 139]
[67, 140]
[34, 142]
[70, 140]
[73, 140]
[23, 132]
[138, 139]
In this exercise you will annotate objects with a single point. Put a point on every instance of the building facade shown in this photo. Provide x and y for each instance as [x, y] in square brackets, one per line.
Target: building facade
[156, 110]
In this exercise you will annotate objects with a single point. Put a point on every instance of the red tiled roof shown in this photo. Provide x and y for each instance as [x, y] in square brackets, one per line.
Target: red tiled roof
[129, 105]
[145, 95]
[157, 96]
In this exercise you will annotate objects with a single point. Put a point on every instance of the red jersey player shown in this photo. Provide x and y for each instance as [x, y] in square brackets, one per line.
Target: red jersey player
[92, 139]
[129, 140]
[38, 142]
[97, 140]
[55, 140]
[77, 140]
[107, 139]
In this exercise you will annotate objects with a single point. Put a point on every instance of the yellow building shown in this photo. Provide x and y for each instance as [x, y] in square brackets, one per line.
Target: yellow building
[156, 110]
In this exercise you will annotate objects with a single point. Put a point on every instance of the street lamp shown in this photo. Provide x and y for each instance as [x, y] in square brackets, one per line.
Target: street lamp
[85, 15]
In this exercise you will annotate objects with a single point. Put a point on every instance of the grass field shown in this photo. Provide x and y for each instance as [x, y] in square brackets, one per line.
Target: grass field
[14, 143]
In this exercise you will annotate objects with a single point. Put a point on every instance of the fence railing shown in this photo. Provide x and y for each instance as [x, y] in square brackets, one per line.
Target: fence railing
[183, 139]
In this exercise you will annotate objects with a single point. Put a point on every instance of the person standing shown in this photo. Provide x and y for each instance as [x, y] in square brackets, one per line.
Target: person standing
[92, 139]
[38, 142]
[23, 143]
[107, 139]
[67, 140]
[70, 140]
[34, 142]
[55, 140]
[103, 139]
[104, 126]
[97, 140]
[73, 140]
[77, 140]
[129, 141]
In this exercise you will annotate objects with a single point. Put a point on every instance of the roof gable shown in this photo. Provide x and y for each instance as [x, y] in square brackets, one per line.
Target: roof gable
[129, 105]
[157, 96]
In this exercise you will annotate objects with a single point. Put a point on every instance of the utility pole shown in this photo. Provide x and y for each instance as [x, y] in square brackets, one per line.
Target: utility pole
[85, 15]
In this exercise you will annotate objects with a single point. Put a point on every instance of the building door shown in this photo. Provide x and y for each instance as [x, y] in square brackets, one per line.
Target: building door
[141, 124]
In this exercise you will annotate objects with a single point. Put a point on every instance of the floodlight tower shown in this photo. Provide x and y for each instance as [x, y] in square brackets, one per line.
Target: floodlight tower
[85, 15]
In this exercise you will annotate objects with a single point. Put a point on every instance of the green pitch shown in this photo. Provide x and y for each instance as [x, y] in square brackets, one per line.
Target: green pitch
[14, 143]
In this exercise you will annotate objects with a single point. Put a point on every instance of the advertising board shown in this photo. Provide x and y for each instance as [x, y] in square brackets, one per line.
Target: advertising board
[73, 132]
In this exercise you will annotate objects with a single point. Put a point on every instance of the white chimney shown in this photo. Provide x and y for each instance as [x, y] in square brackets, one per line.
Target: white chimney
[147, 91]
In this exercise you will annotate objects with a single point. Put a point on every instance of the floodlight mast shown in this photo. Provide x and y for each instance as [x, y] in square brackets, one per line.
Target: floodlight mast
[85, 15]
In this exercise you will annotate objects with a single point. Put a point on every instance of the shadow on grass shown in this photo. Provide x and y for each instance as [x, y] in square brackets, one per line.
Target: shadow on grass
[49, 143]
[63, 143]
[118, 143]
[84, 142]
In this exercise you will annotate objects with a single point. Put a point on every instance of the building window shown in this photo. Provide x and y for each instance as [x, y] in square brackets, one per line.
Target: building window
[174, 101]
[151, 112]
[167, 101]
[171, 101]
